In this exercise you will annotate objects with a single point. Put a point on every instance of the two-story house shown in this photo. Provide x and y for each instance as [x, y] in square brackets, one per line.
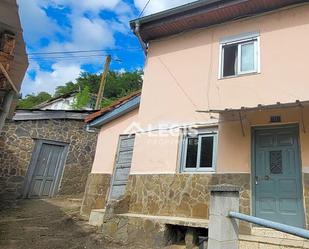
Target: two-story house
[224, 101]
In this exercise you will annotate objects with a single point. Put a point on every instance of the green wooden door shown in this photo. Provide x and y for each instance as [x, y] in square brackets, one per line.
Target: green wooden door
[277, 176]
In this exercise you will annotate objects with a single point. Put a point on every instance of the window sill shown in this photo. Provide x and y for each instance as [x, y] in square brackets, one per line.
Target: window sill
[238, 75]
[197, 172]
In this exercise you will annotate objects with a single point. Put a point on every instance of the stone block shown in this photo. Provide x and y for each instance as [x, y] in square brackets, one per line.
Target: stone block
[223, 231]
[96, 217]
[221, 204]
[222, 228]
[96, 193]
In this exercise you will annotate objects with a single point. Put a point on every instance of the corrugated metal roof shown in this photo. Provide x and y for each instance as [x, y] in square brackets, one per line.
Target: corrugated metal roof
[113, 106]
[203, 13]
[260, 107]
[23, 115]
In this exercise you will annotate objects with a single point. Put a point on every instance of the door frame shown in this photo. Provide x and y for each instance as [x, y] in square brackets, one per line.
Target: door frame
[34, 158]
[115, 164]
[270, 127]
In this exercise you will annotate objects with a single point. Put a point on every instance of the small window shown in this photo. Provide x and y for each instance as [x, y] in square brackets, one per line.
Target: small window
[239, 57]
[199, 152]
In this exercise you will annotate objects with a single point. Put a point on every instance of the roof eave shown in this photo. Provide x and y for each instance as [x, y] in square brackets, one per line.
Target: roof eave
[201, 14]
[172, 11]
[116, 113]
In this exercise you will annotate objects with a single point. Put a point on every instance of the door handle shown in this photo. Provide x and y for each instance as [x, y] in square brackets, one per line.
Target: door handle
[256, 180]
[265, 178]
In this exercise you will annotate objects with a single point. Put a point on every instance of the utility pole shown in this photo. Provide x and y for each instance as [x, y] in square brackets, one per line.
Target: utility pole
[103, 82]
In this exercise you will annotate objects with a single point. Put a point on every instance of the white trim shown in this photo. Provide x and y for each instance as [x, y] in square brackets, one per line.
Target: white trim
[258, 54]
[239, 71]
[221, 54]
[198, 169]
[247, 38]
[239, 38]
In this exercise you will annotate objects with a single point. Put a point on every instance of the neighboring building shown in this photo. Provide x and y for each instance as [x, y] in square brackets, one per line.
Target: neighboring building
[65, 102]
[13, 58]
[45, 153]
[224, 101]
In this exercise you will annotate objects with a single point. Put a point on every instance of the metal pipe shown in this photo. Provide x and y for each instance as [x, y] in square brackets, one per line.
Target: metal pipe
[136, 31]
[8, 99]
[270, 224]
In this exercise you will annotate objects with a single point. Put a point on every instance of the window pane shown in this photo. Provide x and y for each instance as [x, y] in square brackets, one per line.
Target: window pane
[247, 57]
[192, 153]
[229, 60]
[206, 152]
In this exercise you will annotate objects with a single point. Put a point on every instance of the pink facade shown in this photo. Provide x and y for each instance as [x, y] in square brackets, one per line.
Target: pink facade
[183, 72]
[108, 141]
[182, 76]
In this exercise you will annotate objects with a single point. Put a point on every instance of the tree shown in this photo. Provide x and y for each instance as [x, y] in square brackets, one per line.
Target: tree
[121, 84]
[31, 100]
[82, 99]
[67, 88]
[118, 84]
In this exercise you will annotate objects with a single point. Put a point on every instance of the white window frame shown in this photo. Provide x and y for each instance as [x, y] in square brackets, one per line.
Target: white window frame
[200, 135]
[241, 40]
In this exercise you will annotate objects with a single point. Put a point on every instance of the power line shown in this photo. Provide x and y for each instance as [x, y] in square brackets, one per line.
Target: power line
[84, 51]
[178, 84]
[76, 58]
[63, 57]
[144, 9]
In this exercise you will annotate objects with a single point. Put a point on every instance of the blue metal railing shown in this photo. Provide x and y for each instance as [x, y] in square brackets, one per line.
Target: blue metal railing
[270, 224]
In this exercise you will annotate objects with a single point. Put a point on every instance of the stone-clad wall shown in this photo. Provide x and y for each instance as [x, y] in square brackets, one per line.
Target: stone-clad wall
[306, 197]
[185, 195]
[16, 148]
[96, 192]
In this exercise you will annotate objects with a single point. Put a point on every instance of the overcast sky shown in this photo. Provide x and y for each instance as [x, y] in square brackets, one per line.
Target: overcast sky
[70, 25]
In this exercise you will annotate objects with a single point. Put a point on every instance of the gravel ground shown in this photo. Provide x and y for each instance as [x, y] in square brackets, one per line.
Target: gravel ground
[46, 224]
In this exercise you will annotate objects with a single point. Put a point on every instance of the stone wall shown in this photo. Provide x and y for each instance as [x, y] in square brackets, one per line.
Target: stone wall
[178, 195]
[306, 197]
[17, 141]
[184, 195]
[96, 192]
[133, 233]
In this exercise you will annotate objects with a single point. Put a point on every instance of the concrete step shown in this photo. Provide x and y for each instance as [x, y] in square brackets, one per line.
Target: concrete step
[271, 233]
[96, 217]
[268, 238]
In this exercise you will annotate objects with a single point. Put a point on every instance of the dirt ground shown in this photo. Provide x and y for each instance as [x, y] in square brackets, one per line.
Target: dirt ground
[46, 224]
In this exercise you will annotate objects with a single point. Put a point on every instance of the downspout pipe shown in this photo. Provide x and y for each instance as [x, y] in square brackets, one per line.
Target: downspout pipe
[7, 102]
[137, 33]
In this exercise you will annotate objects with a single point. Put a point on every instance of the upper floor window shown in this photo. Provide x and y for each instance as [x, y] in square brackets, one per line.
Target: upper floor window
[199, 151]
[239, 55]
